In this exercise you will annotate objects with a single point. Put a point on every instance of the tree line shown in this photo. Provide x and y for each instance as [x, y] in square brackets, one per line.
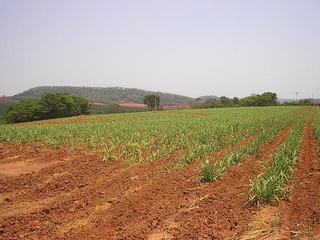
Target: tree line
[51, 105]
[264, 99]
[107, 95]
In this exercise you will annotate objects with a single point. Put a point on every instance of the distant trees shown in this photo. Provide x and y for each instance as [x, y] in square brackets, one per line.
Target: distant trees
[24, 111]
[4, 106]
[104, 95]
[301, 102]
[51, 105]
[225, 101]
[265, 99]
[152, 101]
[208, 103]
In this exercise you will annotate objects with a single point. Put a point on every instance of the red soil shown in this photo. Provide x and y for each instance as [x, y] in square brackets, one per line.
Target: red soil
[303, 209]
[219, 210]
[133, 105]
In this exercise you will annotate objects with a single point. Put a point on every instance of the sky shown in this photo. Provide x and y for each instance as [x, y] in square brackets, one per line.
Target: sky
[192, 48]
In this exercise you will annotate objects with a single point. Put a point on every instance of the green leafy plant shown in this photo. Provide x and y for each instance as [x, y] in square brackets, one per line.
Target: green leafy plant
[207, 172]
[271, 185]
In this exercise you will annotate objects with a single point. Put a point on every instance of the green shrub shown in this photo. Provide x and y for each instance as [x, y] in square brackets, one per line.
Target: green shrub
[49, 106]
[24, 111]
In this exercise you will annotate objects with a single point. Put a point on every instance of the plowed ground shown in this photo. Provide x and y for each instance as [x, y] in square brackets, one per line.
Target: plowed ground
[59, 194]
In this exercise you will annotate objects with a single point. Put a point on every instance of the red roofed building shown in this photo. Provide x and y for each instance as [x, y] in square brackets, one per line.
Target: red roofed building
[5, 98]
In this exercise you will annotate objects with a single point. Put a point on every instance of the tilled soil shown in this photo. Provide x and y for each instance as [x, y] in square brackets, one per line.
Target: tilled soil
[298, 216]
[78, 196]
[222, 212]
[303, 208]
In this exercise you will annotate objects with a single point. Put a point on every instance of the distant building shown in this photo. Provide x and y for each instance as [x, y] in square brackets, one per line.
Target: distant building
[5, 98]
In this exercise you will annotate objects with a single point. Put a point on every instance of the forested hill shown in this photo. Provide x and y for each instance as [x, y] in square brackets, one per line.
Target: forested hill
[104, 95]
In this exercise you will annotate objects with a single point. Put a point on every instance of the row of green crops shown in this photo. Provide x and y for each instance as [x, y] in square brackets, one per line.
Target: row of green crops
[200, 151]
[316, 128]
[210, 172]
[213, 172]
[272, 184]
[152, 135]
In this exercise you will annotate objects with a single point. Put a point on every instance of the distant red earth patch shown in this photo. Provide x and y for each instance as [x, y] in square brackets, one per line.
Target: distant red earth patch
[133, 105]
[5, 98]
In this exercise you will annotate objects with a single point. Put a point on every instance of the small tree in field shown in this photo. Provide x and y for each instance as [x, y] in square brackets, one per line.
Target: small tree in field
[152, 101]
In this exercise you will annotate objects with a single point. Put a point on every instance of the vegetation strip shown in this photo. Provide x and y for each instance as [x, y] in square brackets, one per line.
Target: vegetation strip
[316, 129]
[302, 211]
[201, 151]
[210, 172]
[150, 136]
[271, 185]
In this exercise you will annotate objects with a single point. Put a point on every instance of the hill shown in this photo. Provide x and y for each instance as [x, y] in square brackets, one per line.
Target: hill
[283, 100]
[207, 97]
[104, 95]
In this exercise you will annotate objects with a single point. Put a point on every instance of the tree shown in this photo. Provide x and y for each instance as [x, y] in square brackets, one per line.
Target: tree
[225, 101]
[152, 101]
[24, 111]
[83, 104]
[267, 99]
[51, 105]
[157, 100]
[249, 101]
[58, 105]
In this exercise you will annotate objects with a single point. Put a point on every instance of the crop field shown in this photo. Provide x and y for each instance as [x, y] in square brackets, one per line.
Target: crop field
[229, 173]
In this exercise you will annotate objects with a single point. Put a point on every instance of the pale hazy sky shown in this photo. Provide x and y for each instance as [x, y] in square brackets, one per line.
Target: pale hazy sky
[194, 48]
